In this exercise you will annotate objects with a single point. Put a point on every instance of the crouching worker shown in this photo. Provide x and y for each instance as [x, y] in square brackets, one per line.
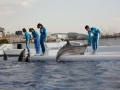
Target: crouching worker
[27, 37]
[36, 40]
[93, 37]
[43, 37]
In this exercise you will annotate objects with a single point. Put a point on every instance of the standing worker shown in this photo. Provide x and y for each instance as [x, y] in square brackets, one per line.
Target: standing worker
[36, 40]
[93, 37]
[43, 37]
[27, 37]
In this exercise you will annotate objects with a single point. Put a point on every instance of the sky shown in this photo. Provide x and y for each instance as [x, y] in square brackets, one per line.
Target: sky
[60, 16]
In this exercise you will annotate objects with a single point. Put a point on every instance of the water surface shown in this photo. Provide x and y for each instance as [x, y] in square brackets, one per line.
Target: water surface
[49, 75]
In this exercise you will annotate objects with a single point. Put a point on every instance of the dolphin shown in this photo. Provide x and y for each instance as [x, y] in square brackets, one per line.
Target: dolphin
[69, 49]
[27, 59]
[5, 56]
[23, 57]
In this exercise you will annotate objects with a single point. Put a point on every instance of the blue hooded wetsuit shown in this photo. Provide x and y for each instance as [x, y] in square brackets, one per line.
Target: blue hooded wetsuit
[36, 41]
[89, 37]
[43, 36]
[93, 40]
[27, 37]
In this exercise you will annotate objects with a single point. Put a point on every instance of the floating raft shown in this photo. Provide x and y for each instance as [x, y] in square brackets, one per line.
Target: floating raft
[77, 58]
[103, 53]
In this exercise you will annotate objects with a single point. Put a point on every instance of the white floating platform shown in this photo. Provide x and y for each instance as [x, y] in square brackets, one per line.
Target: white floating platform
[103, 53]
[77, 58]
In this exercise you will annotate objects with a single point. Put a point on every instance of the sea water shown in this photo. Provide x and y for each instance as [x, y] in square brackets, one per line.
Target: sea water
[49, 75]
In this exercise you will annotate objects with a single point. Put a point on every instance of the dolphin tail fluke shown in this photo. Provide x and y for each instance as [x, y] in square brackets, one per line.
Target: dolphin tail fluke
[5, 56]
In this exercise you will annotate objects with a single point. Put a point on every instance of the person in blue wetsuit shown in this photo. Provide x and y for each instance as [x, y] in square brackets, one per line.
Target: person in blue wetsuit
[27, 37]
[43, 37]
[93, 37]
[36, 40]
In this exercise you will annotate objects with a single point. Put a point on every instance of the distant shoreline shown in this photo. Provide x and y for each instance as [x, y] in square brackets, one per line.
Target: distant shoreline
[74, 39]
